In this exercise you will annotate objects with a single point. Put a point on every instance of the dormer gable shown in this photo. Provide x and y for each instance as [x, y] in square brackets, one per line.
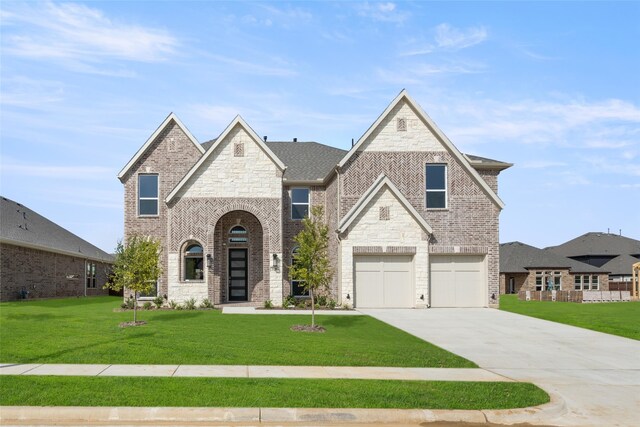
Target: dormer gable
[171, 118]
[402, 117]
[236, 158]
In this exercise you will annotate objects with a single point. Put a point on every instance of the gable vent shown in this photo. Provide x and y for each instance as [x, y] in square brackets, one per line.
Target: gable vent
[401, 124]
[238, 150]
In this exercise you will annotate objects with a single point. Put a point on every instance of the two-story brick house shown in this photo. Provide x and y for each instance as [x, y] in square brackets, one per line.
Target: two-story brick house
[414, 221]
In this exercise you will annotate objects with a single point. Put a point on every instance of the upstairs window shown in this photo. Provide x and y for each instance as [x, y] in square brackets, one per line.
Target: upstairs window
[147, 195]
[436, 182]
[299, 203]
[193, 262]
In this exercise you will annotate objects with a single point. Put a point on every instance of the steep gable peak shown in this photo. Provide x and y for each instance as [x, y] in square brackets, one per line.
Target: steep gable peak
[404, 97]
[238, 121]
[171, 118]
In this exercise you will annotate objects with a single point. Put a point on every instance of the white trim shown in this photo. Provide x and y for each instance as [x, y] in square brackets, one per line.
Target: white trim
[370, 194]
[439, 135]
[152, 138]
[157, 198]
[445, 190]
[236, 121]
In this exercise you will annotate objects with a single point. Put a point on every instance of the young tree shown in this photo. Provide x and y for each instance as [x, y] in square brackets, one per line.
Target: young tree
[311, 264]
[137, 267]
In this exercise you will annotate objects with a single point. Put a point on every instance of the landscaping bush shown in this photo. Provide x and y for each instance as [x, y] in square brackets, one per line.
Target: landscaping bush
[128, 303]
[268, 304]
[174, 305]
[158, 301]
[190, 304]
[206, 303]
[147, 305]
[289, 301]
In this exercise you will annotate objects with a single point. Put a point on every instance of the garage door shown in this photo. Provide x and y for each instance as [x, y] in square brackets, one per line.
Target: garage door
[384, 282]
[458, 281]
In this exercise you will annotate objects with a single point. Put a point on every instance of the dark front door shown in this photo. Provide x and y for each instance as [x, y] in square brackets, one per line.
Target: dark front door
[238, 275]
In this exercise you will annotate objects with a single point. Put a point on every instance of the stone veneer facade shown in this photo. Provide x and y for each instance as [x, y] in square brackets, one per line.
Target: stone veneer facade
[237, 182]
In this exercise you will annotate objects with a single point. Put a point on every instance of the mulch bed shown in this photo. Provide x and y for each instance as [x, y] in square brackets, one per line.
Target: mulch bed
[127, 324]
[307, 328]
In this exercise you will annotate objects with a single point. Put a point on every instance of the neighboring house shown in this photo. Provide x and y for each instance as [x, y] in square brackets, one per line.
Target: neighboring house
[414, 222]
[614, 253]
[40, 259]
[527, 268]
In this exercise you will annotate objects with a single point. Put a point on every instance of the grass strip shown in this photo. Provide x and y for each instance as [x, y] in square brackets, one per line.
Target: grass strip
[619, 318]
[267, 392]
[85, 330]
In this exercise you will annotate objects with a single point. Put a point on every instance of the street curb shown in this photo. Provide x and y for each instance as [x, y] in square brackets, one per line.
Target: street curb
[84, 415]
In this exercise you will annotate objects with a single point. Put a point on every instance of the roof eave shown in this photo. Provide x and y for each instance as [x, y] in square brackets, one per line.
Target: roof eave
[54, 250]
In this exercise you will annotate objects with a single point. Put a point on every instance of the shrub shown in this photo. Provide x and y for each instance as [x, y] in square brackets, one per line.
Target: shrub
[190, 304]
[147, 305]
[321, 301]
[289, 301]
[128, 303]
[158, 301]
[179, 307]
[206, 303]
[268, 304]
[173, 304]
[331, 303]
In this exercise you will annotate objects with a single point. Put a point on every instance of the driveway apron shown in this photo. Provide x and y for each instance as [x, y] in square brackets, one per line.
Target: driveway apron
[597, 374]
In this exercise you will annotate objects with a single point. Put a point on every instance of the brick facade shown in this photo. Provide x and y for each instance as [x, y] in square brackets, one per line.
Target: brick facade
[46, 274]
[237, 181]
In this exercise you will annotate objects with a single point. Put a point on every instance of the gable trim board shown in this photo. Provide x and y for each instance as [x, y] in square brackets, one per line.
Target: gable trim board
[237, 121]
[366, 198]
[444, 140]
[147, 144]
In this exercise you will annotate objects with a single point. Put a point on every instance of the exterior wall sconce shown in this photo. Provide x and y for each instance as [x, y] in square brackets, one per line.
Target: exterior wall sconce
[209, 260]
[276, 262]
[493, 297]
[348, 296]
[422, 297]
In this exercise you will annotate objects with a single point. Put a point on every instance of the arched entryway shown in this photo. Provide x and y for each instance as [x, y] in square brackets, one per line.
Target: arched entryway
[241, 265]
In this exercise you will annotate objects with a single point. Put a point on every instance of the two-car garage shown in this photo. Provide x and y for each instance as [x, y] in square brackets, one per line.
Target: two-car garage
[387, 281]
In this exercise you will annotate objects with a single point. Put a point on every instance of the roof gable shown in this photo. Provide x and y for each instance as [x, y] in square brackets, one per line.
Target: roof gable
[237, 121]
[517, 257]
[441, 137]
[171, 117]
[380, 183]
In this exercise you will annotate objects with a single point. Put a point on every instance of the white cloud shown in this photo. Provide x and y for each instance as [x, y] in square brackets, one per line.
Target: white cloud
[80, 36]
[448, 37]
[382, 12]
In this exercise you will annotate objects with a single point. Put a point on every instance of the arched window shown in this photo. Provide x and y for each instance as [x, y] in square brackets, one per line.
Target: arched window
[297, 286]
[193, 262]
[238, 234]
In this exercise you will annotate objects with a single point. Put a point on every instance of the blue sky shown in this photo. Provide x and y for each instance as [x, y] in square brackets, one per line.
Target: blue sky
[552, 87]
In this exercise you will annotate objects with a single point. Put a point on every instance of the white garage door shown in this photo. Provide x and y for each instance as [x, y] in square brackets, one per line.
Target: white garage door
[384, 281]
[458, 281]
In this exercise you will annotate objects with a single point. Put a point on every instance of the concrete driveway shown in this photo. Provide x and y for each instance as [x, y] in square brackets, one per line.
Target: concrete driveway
[597, 375]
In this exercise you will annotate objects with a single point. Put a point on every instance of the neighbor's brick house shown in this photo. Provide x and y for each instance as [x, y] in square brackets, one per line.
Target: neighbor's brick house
[40, 259]
[414, 222]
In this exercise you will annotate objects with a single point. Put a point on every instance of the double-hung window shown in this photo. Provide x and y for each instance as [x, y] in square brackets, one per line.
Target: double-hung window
[436, 183]
[91, 274]
[299, 203]
[148, 195]
[193, 263]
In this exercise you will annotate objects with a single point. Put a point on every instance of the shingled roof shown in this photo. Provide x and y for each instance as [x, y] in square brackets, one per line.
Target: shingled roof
[21, 226]
[517, 257]
[595, 243]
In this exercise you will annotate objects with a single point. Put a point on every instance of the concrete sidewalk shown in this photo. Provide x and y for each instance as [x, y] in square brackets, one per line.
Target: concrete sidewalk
[254, 371]
[254, 310]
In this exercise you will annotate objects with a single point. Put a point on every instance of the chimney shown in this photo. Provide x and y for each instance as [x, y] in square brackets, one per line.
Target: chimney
[352, 142]
[295, 139]
[265, 138]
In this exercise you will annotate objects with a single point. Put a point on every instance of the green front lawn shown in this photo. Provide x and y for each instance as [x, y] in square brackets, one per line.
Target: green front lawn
[85, 330]
[620, 318]
[267, 392]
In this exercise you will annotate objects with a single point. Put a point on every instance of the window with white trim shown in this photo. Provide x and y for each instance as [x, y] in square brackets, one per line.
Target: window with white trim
[193, 262]
[548, 281]
[91, 274]
[148, 195]
[299, 203]
[297, 286]
[151, 294]
[586, 282]
[436, 186]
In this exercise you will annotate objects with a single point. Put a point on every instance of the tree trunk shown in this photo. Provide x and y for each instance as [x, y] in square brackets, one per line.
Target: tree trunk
[313, 309]
[135, 307]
